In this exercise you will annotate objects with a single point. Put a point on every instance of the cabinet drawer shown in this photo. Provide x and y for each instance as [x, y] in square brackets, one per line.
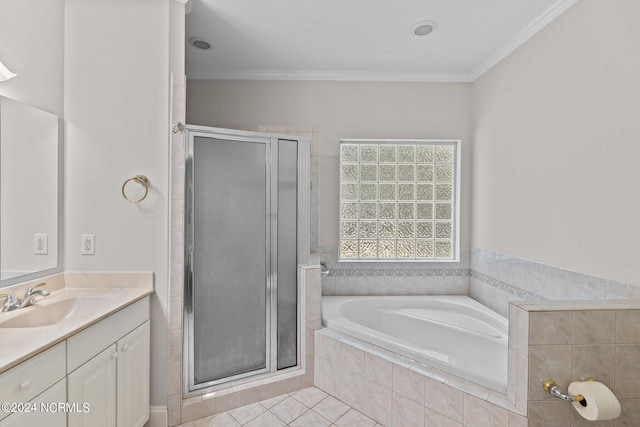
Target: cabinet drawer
[30, 378]
[86, 344]
[39, 418]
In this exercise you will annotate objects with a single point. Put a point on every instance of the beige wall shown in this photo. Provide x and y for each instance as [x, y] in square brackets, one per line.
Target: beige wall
[104, 66]
[32, 34]
[557, 143]
[117, 97]
[341, 110]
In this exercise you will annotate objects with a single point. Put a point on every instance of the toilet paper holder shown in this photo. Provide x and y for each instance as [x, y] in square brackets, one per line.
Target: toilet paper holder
[555, 390]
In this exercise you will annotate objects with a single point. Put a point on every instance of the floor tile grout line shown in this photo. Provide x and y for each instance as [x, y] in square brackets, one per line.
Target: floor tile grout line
[306, 412]
[310, 408]
[305, 405]
[247, 422]
[291, 396]
[317, 403]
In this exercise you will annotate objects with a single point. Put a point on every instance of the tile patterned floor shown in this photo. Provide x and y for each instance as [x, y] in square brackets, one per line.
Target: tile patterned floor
[310, 407]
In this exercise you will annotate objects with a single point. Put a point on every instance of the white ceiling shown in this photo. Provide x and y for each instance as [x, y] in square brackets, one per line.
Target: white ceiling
[359, 39]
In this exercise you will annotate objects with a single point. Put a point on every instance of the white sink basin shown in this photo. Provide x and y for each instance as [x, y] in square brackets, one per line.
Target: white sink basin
[47, 313]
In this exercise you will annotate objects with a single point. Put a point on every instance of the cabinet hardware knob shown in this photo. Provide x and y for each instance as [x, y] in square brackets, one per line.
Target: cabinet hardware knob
[125, 347]
[25, 385]
[114, 355]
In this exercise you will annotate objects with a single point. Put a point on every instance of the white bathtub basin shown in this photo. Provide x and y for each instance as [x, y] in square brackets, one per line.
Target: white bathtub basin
[452, 333]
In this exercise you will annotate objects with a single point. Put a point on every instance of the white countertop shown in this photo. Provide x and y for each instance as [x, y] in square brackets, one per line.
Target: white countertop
[19, 344]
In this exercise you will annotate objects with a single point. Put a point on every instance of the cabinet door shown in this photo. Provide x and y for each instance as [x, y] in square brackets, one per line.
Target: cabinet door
[133, 378]
[46, 414]
[94, 383]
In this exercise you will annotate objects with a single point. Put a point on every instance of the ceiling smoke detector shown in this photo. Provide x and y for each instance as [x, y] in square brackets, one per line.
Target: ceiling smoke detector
[199, 43]
[424, 28]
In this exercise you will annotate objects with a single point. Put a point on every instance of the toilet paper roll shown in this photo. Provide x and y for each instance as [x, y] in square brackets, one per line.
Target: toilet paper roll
[601, 403]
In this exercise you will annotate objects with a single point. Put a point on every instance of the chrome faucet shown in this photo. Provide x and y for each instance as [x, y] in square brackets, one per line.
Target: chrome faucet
[29, 298]
[10, 303]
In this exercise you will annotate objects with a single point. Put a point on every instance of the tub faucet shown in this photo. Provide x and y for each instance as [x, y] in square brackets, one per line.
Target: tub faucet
[31, 294]
[324, 269]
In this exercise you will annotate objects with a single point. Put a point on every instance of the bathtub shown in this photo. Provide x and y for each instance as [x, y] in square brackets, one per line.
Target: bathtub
[455, 334]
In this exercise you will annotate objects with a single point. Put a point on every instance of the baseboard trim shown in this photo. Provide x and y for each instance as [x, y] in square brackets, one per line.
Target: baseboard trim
[157, 417]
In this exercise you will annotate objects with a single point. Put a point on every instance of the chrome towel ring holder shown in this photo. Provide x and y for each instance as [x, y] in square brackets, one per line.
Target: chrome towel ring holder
[139, 179]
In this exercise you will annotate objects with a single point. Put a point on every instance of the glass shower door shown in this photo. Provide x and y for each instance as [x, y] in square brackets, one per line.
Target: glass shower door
[230, 262]
[246, 232]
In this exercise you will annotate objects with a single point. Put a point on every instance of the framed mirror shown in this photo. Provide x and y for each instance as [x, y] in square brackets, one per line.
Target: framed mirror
[30, 189]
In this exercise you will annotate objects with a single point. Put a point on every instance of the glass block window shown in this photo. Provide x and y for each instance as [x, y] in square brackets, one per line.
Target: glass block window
[398, 200]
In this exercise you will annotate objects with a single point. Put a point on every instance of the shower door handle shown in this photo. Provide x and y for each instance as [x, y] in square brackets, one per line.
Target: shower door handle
[188, 283]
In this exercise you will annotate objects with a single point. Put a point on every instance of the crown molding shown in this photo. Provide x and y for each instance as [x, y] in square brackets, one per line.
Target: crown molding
[528, 32]
[330, 75]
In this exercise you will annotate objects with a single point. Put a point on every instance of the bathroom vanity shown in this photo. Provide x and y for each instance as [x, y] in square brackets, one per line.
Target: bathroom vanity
[78, 357]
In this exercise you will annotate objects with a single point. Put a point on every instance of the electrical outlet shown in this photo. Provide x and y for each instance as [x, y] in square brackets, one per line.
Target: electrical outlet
[87, 244]
[41, 244]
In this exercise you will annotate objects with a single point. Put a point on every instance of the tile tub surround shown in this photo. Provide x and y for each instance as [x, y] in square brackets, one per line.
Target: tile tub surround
[560, 340]
[396, 391]
[496, 279]
[492, 278]
[394, 278]
[568, 341]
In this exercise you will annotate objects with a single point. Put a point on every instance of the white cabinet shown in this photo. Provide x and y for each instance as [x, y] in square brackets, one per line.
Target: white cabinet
[91, 341]
[95, 383]
[44, 410]
[97, 377]
[133, 378]
[108, 368]
[25, 381]
[31, 383]
[115, 384]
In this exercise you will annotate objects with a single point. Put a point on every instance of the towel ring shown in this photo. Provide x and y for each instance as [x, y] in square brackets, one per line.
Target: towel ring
[140, 179]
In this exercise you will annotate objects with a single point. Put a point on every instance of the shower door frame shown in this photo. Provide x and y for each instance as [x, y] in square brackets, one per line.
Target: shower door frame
[303, 249]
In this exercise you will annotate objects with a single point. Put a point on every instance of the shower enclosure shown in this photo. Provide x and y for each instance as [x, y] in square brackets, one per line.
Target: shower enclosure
[247, 230]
